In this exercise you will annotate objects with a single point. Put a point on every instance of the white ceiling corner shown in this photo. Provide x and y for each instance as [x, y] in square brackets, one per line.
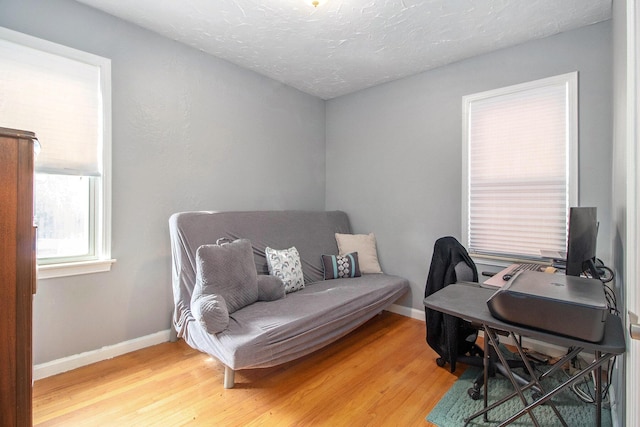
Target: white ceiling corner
[347, 45]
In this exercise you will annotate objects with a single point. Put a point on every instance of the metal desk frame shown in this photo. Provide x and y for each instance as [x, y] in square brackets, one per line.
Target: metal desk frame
[469, 302]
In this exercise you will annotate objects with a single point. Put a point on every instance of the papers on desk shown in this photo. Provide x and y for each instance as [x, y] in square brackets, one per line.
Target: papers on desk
[496, 281]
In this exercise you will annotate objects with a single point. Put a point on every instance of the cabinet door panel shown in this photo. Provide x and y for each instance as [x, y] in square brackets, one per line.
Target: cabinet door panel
[17, 276]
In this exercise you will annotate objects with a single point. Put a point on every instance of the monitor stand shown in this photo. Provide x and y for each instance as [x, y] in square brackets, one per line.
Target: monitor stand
[591, 266]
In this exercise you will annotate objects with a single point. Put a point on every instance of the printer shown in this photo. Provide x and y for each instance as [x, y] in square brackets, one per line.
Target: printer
[565, 305]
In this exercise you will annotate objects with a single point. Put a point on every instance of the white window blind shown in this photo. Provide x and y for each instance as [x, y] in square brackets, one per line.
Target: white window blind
[64, 96]
[520, 178]
[59, 99]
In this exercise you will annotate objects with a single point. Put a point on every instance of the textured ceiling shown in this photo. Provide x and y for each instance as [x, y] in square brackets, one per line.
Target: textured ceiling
[347, 45]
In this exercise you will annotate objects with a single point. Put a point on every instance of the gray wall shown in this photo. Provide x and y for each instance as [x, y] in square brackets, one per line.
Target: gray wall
[394, 151]
[189, 132]
[194, 132]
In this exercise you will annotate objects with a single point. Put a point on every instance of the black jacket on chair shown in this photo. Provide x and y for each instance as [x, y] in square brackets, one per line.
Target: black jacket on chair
[447, 334]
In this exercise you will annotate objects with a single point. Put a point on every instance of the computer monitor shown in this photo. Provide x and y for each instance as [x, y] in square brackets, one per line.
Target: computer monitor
[581, 243]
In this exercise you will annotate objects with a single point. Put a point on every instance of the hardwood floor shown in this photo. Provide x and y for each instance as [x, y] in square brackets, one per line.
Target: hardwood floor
[382, 374]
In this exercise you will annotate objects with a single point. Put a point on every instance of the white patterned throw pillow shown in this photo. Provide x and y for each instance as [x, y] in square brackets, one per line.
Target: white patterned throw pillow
[285, 264]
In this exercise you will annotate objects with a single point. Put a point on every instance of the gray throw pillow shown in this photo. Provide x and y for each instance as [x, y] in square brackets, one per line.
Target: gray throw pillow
[270, 288]
[211, 312]
[229, 271]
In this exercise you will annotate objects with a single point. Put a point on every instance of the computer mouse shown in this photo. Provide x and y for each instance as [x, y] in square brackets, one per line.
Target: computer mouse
[507, 277]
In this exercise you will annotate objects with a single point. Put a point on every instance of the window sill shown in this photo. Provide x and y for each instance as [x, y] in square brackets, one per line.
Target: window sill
[496, 261]
[74, 268]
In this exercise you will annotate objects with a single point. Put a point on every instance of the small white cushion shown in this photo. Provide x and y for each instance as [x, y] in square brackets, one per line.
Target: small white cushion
[365, 246]
[285, 264]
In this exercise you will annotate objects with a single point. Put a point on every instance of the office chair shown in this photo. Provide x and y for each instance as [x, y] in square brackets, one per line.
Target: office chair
[451, 337]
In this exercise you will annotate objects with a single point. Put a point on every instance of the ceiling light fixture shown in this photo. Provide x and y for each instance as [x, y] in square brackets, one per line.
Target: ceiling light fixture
[315, 3]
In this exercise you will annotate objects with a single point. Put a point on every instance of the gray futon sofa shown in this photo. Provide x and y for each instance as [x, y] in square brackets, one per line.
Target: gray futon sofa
[269, 333]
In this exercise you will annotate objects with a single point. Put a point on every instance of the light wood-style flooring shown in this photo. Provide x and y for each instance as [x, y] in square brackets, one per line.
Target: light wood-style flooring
[382, 374]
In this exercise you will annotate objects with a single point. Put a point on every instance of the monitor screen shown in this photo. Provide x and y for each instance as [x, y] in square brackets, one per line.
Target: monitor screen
[581, 243]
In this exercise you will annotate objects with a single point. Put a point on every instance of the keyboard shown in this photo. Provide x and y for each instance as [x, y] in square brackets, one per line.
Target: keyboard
[497, 280]
[523, 267]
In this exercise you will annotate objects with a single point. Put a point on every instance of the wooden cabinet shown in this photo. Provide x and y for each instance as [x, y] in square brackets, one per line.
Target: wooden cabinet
[17, 276]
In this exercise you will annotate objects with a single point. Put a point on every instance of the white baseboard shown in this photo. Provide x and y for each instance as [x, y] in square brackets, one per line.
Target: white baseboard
[65, 364]
[407, 311]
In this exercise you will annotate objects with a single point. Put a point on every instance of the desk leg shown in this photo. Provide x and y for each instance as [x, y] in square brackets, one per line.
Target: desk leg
[560, 364]
[486, 363]
[487, 342]
[598, 387]
[534, 378]
[598, 362]
[516, 386]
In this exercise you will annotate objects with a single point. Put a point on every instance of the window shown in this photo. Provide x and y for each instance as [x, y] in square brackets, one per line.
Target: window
[64, 96]
[519, 166]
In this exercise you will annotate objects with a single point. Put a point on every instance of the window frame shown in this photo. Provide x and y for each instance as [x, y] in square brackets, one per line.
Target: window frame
[93, 197]
[100, 188]
[571, 82]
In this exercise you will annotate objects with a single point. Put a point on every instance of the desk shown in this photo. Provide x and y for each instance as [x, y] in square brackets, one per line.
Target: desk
[469, 302]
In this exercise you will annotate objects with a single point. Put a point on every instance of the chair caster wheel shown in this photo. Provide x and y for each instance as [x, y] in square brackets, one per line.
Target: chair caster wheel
[473, 393]
[440, 362]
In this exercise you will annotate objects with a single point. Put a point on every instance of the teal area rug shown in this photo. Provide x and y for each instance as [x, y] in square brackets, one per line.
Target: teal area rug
[456, 405]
